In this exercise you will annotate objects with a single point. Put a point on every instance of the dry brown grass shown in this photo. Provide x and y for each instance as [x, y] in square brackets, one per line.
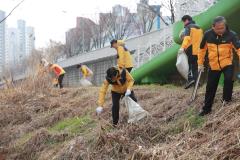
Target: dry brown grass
[173, 131]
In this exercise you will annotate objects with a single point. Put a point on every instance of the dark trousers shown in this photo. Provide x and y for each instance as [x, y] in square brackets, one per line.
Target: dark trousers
[212, 84]
[129, 69]
[193, 65]
[115, 105]
[60, 80]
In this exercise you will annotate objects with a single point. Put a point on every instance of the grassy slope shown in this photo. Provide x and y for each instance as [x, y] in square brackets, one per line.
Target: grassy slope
[62, 125]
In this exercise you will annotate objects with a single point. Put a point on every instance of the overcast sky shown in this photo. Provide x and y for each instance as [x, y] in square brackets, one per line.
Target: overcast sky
[52, 18]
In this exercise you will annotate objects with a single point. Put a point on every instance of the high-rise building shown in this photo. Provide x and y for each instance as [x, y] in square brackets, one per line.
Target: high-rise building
[2, 41]
[6, 45]
[12, 46]
[20, 42]
[30, 40]
[21, 25]
[119, 10]
[144, 1]
[78, 39]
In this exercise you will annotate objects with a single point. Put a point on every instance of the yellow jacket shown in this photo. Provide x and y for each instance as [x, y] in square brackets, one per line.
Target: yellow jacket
[86, 71]
[124, 81]
[124, 58]
[219, 49]
[192, 36]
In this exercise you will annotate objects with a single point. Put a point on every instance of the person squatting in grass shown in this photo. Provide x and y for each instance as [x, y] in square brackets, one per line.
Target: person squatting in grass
[122, 83]
[59, 72]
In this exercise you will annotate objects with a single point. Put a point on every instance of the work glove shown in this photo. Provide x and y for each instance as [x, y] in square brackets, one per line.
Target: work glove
[180, 51]
[200, 68]
[128, 92]
[99, 110]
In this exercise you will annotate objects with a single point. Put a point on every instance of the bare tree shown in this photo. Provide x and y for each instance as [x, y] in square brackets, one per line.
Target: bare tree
[169, 5]
[99, 36]
[118, 27]
[144, 19]
[152, 9]
[79, 39]
[33, 60]
[54, 51]
[74, 42]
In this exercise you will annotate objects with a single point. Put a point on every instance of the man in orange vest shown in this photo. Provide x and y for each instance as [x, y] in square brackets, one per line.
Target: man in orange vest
[191, 43]
[59, 72]
[220, 42]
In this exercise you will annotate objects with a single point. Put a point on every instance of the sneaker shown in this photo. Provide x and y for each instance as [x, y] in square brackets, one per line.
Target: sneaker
[225, 102]
[115, 125]
[189, 84]
[204, 112]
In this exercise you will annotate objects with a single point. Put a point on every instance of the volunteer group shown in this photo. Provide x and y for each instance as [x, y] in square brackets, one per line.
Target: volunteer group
[217, 45]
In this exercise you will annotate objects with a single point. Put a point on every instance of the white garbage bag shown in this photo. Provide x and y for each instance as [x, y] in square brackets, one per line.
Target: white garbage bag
[85, 83]
[135, 111]
[89, 71]
[182, 65]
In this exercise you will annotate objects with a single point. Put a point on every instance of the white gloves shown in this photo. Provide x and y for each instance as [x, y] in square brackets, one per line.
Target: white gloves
[99, 110]
[128, 92]
[180, 51]
[200, 68]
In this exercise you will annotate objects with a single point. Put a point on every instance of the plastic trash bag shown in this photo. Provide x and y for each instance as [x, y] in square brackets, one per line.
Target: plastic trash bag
[182, 65]
[85, 83]
[135, 111]
[89, 71]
